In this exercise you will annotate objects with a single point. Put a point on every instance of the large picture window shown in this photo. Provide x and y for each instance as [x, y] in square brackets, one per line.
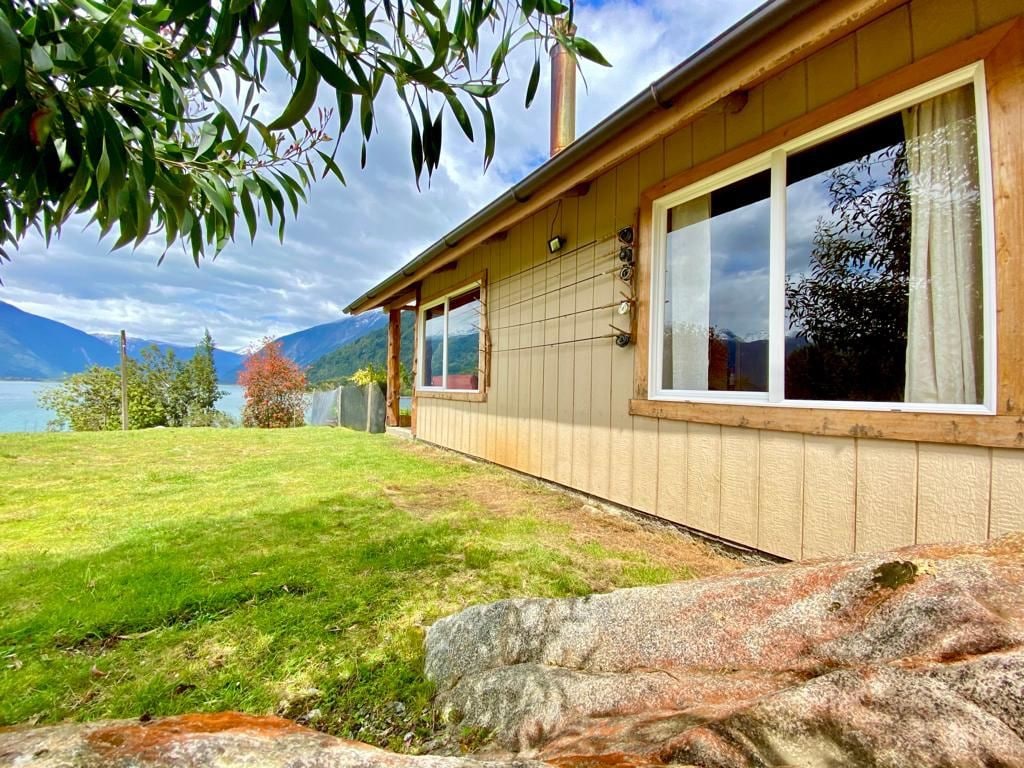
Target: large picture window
[850, 267]
[450, 349]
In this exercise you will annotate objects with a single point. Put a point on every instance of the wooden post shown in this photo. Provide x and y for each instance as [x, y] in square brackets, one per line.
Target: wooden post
[124, 382]
[394, 383]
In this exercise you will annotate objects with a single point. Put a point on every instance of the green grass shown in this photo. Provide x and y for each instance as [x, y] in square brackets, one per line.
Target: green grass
[288, 572]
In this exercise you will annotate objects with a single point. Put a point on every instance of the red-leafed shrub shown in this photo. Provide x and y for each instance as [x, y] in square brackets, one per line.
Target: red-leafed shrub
[275, 388]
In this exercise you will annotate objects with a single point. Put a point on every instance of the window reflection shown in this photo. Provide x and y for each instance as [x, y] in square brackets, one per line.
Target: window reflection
[717, 283]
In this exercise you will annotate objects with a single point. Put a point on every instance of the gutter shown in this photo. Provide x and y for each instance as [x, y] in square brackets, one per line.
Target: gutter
[751, 29]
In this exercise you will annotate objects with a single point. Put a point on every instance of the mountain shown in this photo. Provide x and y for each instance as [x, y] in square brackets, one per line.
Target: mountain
[307, 346]
[33, 347]
[369, 348]
[228, 363]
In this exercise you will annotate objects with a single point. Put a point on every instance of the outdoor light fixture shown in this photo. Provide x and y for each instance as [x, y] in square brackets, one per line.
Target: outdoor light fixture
[626, 235]
[555, 244]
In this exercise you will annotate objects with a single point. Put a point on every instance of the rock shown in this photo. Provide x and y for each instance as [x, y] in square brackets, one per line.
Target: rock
[224, 740]
[914, 657]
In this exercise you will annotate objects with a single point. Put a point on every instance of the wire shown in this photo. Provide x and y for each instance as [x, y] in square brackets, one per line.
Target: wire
[555, 317]
[560, 254]
[536, 296]
[559, 343]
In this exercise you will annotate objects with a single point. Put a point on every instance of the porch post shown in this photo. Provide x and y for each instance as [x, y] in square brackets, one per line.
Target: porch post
[394, 377]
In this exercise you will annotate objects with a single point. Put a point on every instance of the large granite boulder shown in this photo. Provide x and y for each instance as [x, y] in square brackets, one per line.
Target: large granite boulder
[223, 740]
[906, 658]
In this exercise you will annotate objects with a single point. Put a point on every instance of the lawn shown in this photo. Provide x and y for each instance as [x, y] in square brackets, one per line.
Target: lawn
[289, 572]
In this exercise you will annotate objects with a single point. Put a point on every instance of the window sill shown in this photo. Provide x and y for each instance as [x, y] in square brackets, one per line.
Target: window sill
[994, 431]
[452, 394]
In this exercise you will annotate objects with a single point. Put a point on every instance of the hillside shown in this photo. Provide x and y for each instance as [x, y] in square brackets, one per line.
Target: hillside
[370, 348]
[373, 348]
[308, 346]
[33, 347]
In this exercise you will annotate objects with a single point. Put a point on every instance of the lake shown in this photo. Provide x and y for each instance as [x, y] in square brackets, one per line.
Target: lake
[20, 411]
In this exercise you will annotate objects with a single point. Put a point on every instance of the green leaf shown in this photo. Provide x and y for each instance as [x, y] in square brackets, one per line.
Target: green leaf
[531, 88]
[112, 30]
[10, 53]
[249, 211]
[302, 100]
[208, 136]
[551, 7]
[332, 73]
[589, 51]
[461, 115]
[357, 15]
[300, 25]
[41, 61]
[330, 166]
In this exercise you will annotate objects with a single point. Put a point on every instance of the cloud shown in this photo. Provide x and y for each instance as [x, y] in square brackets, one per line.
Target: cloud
[346, 239]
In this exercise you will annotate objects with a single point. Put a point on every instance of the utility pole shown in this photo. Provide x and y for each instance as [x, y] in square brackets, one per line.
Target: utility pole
[124, 382]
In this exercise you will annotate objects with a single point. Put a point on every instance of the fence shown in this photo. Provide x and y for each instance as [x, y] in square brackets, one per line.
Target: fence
[360, 408]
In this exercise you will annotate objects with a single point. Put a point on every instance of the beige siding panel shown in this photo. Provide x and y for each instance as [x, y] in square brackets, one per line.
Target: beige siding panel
[708, 137]
[992, 12]
[538, 253]
[566, 352]
[621, 481]
[672, 440]
[832, 72]
[740, 462]
[780, 494]
[703, 477]
[785, 96]
[549, 395]
[600, 389]
[583, 328]
[645, 464]
[526, 294]
[936, 24]
[830, 496]
[953, 484]
[886, 494]
[517, 422]
[500, 358]
[883, 45]
[1007, 492]
[678, 151]
[748, 123]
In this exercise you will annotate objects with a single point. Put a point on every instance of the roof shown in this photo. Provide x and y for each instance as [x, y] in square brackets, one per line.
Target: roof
[756, 26]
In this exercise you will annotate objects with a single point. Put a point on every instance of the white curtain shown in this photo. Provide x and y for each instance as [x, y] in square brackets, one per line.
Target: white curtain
[688, 303]
[944, 340]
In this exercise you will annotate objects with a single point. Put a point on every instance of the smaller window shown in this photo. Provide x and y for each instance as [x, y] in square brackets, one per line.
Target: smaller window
[450, 350]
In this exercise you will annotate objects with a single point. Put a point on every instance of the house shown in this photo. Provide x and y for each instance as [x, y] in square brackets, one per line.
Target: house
[777, 298]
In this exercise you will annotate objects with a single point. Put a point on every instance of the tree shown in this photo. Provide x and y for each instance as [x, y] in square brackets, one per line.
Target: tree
[162, 392]
[91, 401]
[143, 113]
[194, 393]
[275, 388]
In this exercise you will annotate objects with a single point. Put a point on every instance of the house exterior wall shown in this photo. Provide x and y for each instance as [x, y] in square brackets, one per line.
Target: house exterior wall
[557, 405]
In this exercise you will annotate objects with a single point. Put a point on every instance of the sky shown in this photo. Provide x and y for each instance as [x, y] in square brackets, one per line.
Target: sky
[348, 238]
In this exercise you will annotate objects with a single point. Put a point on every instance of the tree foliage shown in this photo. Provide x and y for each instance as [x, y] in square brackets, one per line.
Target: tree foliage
[275, 388]
[145, 113]
[162, 392]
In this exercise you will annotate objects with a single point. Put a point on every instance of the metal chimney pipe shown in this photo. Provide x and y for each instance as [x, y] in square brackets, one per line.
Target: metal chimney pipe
[563, 92]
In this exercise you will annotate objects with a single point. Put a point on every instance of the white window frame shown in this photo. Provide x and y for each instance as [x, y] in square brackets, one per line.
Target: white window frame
[421, 328]
[775, 161]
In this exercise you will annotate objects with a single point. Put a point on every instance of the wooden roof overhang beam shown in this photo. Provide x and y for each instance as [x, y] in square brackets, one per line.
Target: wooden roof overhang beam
[817, 27]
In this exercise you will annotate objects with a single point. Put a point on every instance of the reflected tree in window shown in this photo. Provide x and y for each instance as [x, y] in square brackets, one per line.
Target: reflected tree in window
[849, 307]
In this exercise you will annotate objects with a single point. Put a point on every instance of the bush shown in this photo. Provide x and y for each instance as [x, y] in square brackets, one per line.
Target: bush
[162, 392]
[275, 388]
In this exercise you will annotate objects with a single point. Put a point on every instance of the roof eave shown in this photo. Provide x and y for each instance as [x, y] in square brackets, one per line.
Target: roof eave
[756, 26]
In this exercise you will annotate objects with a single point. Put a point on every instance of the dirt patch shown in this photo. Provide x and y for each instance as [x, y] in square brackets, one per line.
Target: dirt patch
[586, 522]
